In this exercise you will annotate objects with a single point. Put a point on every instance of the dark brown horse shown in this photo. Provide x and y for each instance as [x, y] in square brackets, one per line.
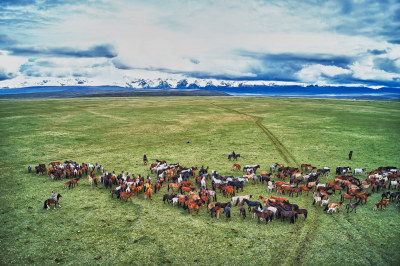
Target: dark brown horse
[48, 202]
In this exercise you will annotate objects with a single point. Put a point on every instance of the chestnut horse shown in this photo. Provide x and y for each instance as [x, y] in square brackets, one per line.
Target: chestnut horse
[236, 166]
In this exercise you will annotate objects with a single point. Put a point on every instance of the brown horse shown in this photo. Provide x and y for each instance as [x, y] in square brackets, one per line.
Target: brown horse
[174, 185]
[237, 167]
[215, 210]
[279, 199]
[148, 192]
[347, 196]
[187, 184]
[381, 204]
[48, 202]
[126, 195]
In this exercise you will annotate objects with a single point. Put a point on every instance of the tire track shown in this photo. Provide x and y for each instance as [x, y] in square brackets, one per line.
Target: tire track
[305, 231]
[356, 238]
[280, 148]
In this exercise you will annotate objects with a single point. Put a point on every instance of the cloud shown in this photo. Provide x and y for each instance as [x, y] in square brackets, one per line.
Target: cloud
[105, 50]
[302, 41]
[377, 52]
[4, 75]
[317, 73]
[387, 65]
[5, 40]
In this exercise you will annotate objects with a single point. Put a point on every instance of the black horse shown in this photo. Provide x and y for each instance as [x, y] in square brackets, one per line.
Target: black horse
[242, 211]
[48, 202]
[223, 205]
[168, 197]
[352, 206]
[252, 204]
[234, 156]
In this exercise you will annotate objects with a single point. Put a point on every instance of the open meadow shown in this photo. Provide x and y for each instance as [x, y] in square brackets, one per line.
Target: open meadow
[93, 228]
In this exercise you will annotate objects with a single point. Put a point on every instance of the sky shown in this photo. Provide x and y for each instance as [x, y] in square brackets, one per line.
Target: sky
[324, 42]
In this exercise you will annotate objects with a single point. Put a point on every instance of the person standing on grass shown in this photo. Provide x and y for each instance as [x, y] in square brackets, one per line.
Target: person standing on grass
[350, 155]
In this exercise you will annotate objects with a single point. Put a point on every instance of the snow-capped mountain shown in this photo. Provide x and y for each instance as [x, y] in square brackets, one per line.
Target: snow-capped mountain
[159, 83]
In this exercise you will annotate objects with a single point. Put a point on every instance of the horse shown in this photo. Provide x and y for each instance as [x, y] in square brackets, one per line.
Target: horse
[393, 183]
[252, 204]
[90, 180]
[223, 205]
[347, 196]
[174, 185]
[394, 195]
[358, 171]
[385, 195]
[168, 197]
[301, 211]
[289, 214]
[215, 210]
[381, 204]
[126, 195]
[363, 196]
[203, 182]
[242, 211]
[234, 156]
[352, 206]
[324, 201]
[116, 192]
[48, 202]
[331, 207]
[157, 186]
[239, 199]
[148, 192]
[271, 186]
[236, 166]
[266, 214]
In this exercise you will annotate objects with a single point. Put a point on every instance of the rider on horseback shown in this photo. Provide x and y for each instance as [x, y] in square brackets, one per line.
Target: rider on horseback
[53, 196]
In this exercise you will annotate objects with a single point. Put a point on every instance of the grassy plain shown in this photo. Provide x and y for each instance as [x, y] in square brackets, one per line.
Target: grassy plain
[93, 228]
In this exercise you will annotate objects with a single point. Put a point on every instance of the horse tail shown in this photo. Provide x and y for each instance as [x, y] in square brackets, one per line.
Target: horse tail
[45, 204]
[326, 207]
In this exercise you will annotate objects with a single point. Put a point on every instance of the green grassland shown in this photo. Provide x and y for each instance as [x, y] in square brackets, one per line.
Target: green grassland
[93, 228]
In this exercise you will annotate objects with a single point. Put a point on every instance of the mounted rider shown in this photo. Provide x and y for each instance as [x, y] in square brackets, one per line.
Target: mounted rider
[53, 196]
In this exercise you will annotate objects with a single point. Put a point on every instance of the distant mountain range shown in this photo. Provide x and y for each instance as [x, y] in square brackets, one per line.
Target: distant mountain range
[192, 87]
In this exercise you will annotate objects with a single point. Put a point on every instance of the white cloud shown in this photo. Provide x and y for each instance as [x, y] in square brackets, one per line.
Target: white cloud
[366, 71]
[314, 73]
[166, 35]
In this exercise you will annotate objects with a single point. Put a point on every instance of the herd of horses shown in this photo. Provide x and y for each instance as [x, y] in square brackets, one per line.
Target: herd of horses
[192, 188]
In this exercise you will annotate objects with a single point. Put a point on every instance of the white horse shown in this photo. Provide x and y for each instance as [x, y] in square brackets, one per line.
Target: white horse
[203, 182]
[90, 166]
[175, 201]
[273, 209]
[359, 171]
[325, 201]
[270, 187]
[393, 183]
[90, 180]
[217, 181]
[241, 179]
